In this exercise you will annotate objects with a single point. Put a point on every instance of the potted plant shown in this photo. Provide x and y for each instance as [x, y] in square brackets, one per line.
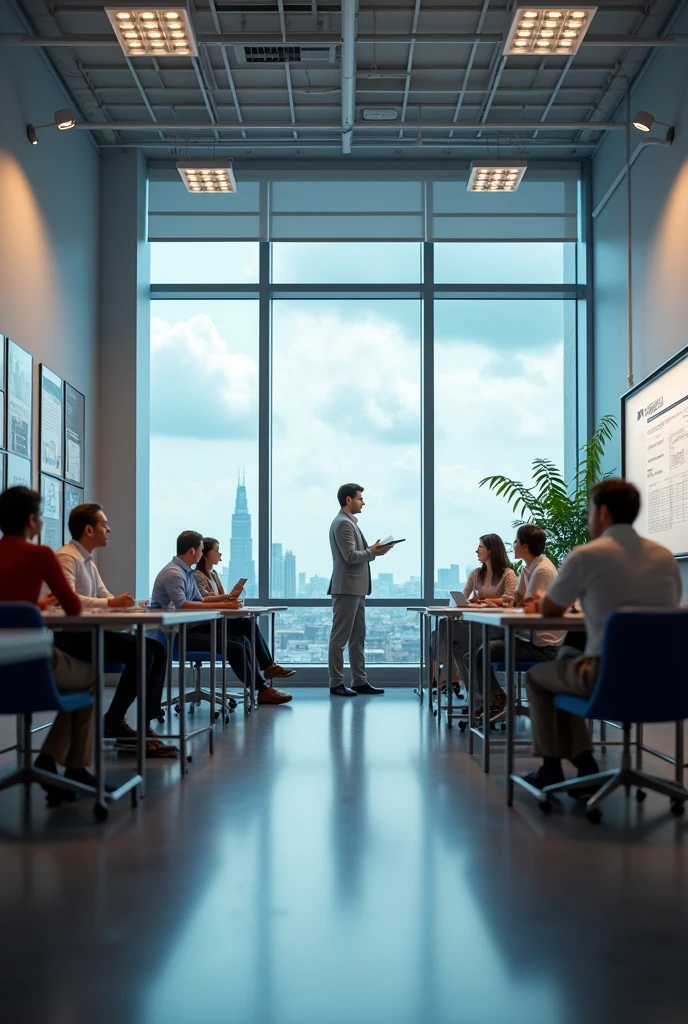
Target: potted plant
[560, 510]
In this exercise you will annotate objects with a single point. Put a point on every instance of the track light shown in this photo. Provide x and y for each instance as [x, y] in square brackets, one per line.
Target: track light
[644, 122]
[63, 120]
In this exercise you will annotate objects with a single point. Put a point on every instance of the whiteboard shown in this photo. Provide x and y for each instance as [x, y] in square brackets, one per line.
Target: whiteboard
[654, 423]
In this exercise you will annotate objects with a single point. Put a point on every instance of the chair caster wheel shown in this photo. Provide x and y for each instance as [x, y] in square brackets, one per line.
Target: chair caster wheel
[677, 807]
[545, 806]
[503, 727]
[161, 718]
[100, 812]
[226, 719]
[463, 726]
[192, 709]
[134, 798]
[594, 816]
[189, 758]
[176, 708]
[216, 715]
[640, 795]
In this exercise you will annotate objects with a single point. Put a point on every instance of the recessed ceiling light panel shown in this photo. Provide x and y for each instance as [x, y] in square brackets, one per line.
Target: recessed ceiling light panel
[156, 31]
[555, 30]
[207, 175]
[495, 175]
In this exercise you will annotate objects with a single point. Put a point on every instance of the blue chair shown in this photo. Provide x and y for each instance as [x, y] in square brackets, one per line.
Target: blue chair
[638, 645]
[27, 688]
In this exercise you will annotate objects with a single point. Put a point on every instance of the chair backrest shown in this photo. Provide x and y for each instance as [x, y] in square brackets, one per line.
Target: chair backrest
[29, 686]
[644, 670]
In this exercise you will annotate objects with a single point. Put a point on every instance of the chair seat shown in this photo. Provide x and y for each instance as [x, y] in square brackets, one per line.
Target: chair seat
[74, 701]
[574, 705]
[519, 666]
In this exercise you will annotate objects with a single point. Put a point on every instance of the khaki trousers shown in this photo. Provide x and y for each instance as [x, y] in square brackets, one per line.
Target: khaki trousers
[557, 733]
[70, 740]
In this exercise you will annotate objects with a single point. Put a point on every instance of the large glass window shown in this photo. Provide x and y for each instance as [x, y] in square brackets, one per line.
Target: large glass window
[204, 262]
[346, 262]
[204, 430]
[499, 385]
[346, 408]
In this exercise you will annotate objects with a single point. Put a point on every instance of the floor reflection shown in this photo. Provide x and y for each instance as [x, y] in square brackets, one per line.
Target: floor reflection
[338, 862]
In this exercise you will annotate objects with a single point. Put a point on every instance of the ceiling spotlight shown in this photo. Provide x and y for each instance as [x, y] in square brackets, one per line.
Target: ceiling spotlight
[644, 122]
[163, 31]
[535, 29]
[62, 119]
[495, 175]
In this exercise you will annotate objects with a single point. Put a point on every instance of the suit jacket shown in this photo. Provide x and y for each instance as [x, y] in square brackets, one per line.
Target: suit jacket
[351, 557]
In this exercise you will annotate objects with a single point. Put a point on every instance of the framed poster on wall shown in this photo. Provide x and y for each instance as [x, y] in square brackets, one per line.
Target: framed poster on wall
[51, 493]
[3, 471]
[73, 496]
[19, 400]
[2, 419]
[74, 417]
[51, 435]
[18, 471]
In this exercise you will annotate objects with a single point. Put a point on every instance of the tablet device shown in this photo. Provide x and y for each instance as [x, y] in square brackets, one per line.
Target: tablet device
[389, 541]
[459, 599]
[238, 586]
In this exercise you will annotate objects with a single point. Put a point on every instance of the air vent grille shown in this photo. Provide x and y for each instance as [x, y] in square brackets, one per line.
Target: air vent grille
[282, 54]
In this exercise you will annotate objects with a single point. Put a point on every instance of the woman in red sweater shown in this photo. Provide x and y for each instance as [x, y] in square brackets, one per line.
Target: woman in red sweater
[24, 567]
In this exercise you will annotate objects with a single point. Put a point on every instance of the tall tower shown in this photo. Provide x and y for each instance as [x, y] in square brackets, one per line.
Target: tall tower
[277, 572]
[289, 574]
[241, 564]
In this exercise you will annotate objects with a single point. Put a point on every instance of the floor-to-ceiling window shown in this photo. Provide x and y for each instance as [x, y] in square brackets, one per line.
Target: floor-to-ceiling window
[412, 369]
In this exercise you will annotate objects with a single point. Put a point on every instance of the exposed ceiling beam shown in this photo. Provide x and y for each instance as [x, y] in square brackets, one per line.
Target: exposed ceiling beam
[499, 126]
[348, 72]
[329, 39]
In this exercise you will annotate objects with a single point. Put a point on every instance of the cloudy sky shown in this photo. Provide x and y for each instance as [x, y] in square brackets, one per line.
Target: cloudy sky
[346, 406]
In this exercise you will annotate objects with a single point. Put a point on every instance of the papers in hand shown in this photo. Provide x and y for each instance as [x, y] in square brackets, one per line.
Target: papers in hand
[391, 540]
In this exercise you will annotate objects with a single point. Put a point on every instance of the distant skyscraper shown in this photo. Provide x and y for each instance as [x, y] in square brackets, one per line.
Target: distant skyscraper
[302, 584]
[448, 579]
[289, 574]
[241, 564]
[277, 571]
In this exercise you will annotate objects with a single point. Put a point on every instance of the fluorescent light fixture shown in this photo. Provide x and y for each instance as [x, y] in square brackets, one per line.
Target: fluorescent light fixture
[207, 175]
[495, 175]
[557, 30]
[161, 31]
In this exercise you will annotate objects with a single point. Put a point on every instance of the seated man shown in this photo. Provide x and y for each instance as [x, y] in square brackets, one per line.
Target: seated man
[176, 585]
[89, 529]
[24, 568]
[535, 578]
[616, 569]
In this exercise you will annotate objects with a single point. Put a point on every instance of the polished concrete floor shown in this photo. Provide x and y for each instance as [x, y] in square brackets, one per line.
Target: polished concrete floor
[340, 862]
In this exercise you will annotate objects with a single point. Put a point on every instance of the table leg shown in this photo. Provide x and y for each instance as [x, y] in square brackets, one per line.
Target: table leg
[486, 699]
[224, 667]
[449, 670]
[679, 754]
[427, 626]
[182, 699]
[211, 687]
[97, 644]
[472, 648]
[254, 699]
[170, 646]
[510, 682]
[141, 715]
[421, 651]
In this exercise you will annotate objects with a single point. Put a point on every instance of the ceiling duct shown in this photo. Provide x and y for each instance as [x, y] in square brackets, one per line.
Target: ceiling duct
[282, 54]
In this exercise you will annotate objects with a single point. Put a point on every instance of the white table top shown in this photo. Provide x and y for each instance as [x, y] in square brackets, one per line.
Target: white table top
[250, 610]
[515, 617]
[122, 618]
[451, 611]
[19, 645]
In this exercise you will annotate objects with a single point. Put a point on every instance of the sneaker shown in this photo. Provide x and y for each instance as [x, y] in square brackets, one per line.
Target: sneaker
[273, 696]
[277, 672]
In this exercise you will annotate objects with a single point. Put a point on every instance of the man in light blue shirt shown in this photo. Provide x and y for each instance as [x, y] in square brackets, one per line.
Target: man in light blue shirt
[176, 585]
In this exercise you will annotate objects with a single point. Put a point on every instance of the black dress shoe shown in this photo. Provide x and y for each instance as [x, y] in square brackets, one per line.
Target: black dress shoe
[342, 691]
[367, 688]
[542, 778]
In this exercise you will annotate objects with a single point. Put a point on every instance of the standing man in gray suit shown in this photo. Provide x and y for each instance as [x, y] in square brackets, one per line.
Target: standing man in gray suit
[349, 586]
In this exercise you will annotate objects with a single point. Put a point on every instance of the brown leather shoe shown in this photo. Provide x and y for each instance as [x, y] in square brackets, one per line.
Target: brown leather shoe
[273, 696]
[277, 672]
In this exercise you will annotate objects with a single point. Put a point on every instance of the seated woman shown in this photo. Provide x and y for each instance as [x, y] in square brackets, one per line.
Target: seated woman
[210, 584]
[489, 583]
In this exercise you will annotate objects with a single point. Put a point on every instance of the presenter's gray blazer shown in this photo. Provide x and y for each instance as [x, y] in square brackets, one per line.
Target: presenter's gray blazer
[351, 558]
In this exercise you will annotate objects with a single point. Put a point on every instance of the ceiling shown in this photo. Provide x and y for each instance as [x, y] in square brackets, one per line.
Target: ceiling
[438, 66]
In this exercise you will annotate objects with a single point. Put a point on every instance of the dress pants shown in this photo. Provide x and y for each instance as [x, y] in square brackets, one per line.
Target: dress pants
[557, 733]
[238, 647]
[524, 650]
[121, 648]
[70, 740]
[348, 629]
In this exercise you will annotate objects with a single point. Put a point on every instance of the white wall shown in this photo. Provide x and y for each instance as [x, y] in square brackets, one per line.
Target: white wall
[659, 188]
[48, 232]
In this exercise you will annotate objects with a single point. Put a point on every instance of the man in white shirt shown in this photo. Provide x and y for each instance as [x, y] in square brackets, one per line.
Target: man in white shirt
[89, 528]
[618, 568]
[535, 578]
